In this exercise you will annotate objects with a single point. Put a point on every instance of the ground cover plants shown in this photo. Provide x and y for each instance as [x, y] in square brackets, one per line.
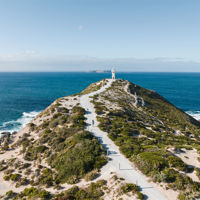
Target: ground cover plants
[145, 125]
[56, 151]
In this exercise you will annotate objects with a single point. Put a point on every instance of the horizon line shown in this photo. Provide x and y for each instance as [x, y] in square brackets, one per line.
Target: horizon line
[106, 72]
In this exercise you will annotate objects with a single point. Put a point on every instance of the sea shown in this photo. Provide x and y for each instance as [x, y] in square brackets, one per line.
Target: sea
[24, 95]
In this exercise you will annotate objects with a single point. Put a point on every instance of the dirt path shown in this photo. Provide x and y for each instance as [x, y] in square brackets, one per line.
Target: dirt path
[118, 163]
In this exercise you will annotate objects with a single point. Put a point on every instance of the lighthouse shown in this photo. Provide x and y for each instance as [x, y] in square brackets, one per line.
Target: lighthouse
[113, 73]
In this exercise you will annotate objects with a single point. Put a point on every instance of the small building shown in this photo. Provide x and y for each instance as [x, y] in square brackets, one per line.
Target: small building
[113, 73]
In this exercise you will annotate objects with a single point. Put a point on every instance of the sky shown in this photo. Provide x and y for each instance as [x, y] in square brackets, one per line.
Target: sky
[81, 35]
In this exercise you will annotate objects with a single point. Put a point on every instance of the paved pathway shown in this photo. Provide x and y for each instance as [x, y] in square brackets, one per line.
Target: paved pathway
[118, 163]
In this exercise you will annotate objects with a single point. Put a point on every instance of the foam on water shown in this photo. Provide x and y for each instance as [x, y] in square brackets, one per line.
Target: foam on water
[194, 114]
[20, 123]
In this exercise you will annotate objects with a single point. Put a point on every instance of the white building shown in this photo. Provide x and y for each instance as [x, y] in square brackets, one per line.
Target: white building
[113, 73]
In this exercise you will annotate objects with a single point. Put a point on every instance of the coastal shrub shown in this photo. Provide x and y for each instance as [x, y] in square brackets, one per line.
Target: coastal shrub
[10, 194]
[91, 175]
[15, 177]
[93, 87]
[150, 161]
[86, 155]
[182, 196]
[93, 191]
[197, 170]
[129, 149]
[46, 177]
[32, 126]
[35, 193]
[5, 146]
[25, 165]
[45, 124]
[129, 187]
[78, 110]
[9, 171]
[53, 123]
[12, 177]
[140, 195]
[41, 149]
[177, 163]
[6, 178]
[22, 181]
[3, 166]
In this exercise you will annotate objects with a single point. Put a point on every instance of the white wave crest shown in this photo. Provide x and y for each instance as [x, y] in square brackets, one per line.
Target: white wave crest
[12, 126]
[194, 114]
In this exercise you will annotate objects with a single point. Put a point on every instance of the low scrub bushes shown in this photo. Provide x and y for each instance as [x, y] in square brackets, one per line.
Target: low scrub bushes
[93, 191]
[150, 161]
[34, 193]
[130, 187]
[12, 177]
[177, 163]
[33, 151]
[73, 163]
[91, 175]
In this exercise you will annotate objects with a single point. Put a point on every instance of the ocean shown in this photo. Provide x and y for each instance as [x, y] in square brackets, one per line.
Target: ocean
[24, 95]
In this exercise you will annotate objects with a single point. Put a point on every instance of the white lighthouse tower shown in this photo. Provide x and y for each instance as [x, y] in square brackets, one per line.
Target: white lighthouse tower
[113, 73]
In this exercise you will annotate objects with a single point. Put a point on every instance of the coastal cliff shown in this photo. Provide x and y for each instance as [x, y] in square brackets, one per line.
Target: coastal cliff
[60, 154]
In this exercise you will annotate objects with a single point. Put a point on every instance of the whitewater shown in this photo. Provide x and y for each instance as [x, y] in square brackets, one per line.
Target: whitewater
[17, 125]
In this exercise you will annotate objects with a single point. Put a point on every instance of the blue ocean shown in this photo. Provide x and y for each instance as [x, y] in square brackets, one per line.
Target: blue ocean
[24, 95]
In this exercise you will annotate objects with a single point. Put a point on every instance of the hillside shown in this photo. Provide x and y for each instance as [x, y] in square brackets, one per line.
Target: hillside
[60, 155]
[153, 134]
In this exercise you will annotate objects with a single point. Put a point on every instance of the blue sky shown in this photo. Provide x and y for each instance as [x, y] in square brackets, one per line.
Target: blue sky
[72, 35]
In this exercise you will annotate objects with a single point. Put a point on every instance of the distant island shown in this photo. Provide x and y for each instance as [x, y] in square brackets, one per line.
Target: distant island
[99, 71]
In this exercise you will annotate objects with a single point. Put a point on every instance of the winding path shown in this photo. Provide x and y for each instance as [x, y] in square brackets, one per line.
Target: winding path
[118, 163]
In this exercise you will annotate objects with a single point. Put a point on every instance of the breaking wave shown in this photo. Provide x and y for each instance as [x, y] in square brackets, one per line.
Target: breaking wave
[12, 126]
[194, 114]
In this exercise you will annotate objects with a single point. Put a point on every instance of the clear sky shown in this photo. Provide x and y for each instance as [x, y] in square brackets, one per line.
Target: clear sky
[71, 35]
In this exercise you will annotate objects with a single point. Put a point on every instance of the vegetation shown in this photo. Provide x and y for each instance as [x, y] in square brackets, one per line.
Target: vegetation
[93, 192]
[70, 152]
[91, 175]
[82, 154]
[29, 193]
[94, 87]
[145, 131]
[133, 188]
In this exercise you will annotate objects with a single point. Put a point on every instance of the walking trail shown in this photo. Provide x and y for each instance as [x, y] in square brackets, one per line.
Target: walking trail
[117, 163]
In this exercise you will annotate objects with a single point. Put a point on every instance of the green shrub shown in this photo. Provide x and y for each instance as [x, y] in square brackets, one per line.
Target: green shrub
[150, 161]
[182, 196]
[91, 175]
[93, 191]
[34, 192]
[86, 155]
[10, 194]
[12, 177]
[177, 163]
[129, 187]
[140, 195]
